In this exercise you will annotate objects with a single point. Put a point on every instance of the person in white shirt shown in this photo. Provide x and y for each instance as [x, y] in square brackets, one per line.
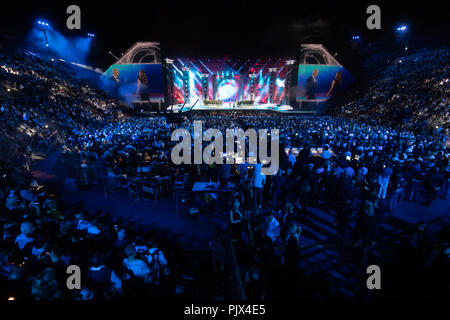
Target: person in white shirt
[259, 179]
[273, 228]
[26, 229]
[136, 266]
[292, 159]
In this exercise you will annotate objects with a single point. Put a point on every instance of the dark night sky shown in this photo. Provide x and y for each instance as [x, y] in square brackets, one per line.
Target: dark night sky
[235, 28]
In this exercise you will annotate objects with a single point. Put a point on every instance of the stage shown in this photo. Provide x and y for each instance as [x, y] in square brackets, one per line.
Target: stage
[145, 108]
[316, 107]
[179, 108]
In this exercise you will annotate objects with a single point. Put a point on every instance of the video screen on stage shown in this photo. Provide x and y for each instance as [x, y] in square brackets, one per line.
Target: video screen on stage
[128, 74]
[228, 80]
[228, 90]
[321, 82]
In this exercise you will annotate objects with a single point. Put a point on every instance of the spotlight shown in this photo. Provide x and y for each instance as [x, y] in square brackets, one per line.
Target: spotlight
[91, 35]
[355, 37]
[402, 28]
[43, 23]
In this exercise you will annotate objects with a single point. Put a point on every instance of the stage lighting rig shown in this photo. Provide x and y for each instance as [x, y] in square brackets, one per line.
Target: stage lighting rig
[402, 29]
[113, 55]
[44, 26]
[43, 23]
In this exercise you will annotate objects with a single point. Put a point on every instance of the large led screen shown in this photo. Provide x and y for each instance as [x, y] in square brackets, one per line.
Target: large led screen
[321, 82]
[128, 75]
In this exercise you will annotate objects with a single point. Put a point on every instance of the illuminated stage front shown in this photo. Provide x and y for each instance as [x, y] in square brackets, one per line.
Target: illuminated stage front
[229, 106]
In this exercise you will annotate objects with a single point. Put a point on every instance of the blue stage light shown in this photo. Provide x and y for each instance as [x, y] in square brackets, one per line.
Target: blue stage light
[355, 37]
[402, 28]
[43, 23]
[279, 83]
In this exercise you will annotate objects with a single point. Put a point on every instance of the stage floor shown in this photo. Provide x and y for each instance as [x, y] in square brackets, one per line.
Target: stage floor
[230, 107]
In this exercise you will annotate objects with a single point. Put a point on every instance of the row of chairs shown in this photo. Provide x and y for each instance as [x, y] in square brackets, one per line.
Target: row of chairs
[143, 188]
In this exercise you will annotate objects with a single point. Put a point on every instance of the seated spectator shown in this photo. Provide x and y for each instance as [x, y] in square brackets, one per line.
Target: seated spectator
[136, 267]
[26, 235]
[102, 278]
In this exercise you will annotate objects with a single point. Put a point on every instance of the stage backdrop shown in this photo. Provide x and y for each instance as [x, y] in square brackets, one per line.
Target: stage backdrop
[228, 80]
[325, 77]
[128, 75]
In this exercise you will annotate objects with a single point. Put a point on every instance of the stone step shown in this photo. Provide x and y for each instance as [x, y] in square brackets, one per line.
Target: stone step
[310, 232]
[328, 216]
[319, 224]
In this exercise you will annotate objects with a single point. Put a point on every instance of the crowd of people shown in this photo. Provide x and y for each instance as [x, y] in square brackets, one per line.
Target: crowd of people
[42, 102]
[359, 169]
[412, 92]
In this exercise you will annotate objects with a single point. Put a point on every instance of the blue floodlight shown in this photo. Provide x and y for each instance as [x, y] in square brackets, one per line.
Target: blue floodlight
[402, 28]
[91, 35]
[43, 23]
[355, 37]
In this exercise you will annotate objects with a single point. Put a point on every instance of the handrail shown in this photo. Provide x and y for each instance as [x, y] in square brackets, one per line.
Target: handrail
[238, 292]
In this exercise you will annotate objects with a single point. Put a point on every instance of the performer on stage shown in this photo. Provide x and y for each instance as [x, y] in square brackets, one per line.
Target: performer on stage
[142, 86]
[311, 85]
[142, 90]
[335, 84]
[115, 76]
[115, 82]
